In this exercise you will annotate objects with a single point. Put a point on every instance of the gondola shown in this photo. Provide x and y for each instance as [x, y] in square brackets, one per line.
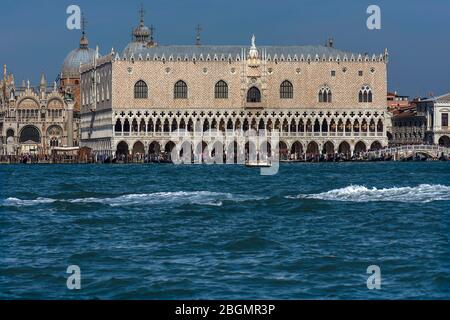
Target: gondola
[258, 164]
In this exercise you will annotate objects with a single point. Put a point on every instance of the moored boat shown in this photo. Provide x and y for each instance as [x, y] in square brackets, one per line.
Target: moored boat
[258, 164]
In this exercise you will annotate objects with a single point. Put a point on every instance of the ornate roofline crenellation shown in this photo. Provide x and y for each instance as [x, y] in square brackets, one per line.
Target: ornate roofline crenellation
[229, 58]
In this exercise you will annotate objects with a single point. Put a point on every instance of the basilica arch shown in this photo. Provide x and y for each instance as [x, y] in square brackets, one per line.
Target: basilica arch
[28, 102]
[30, 134]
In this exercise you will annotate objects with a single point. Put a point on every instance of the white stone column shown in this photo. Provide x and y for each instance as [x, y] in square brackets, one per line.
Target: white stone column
[70, 106]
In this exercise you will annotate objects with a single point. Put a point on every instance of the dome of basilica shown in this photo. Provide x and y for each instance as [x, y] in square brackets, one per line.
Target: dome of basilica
[81, 55]
[142, 38]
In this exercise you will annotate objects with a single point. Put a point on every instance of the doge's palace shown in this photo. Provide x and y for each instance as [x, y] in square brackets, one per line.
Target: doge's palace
[319, 99]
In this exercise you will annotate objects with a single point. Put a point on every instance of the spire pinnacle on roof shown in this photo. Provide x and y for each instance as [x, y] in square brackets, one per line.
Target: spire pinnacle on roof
[142, 14]
[84, 42]
[43, 82]
[141, 33]
[83, 24]
[198, 29]
[330, 42]
[386, 55]
[152, 30]
[152, 38]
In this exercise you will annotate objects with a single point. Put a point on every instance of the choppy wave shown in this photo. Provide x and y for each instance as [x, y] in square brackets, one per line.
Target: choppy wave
[423, 193]
[166, 198]
[15, 202]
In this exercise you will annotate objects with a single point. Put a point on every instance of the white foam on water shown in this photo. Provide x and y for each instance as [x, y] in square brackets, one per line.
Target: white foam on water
[14, 202]
[160, 198]
[423, 193]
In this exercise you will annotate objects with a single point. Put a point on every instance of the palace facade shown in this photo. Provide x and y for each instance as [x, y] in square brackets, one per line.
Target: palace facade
[320, 99]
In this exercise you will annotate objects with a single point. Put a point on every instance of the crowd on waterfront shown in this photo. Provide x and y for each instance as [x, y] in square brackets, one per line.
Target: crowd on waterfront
[165, 157]
[35, 159]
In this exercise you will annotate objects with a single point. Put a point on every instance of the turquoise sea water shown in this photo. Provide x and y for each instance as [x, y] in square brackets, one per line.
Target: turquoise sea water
[225, 232]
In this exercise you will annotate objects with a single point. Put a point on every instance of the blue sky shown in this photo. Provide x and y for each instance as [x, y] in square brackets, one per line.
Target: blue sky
[416, 32]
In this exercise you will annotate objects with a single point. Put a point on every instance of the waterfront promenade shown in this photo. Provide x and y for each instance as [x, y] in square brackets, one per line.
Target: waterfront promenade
[399, 153]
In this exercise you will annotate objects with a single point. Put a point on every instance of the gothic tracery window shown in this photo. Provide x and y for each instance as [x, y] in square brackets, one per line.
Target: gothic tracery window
[325, 95]
[286, 90]
[140, 90]
[221, 90]
[365, 94]
[180, 90]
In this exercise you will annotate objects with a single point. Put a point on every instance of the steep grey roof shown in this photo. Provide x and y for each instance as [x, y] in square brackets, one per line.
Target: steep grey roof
[136, 48]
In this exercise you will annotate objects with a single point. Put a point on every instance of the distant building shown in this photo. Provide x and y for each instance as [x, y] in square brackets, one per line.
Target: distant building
[397, 102]
[408, 127]
[33, 120]
[436, 110]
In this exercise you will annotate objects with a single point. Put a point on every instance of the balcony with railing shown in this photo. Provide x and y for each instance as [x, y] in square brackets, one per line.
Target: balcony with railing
[215, 133]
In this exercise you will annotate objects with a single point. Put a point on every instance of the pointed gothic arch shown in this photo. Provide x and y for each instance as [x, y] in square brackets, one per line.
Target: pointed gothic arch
[286, 90]
[221, 90]
[140, 90]
[365, 94]
[325, 95]
[180, 90]
[328, 148]
[253, 95]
